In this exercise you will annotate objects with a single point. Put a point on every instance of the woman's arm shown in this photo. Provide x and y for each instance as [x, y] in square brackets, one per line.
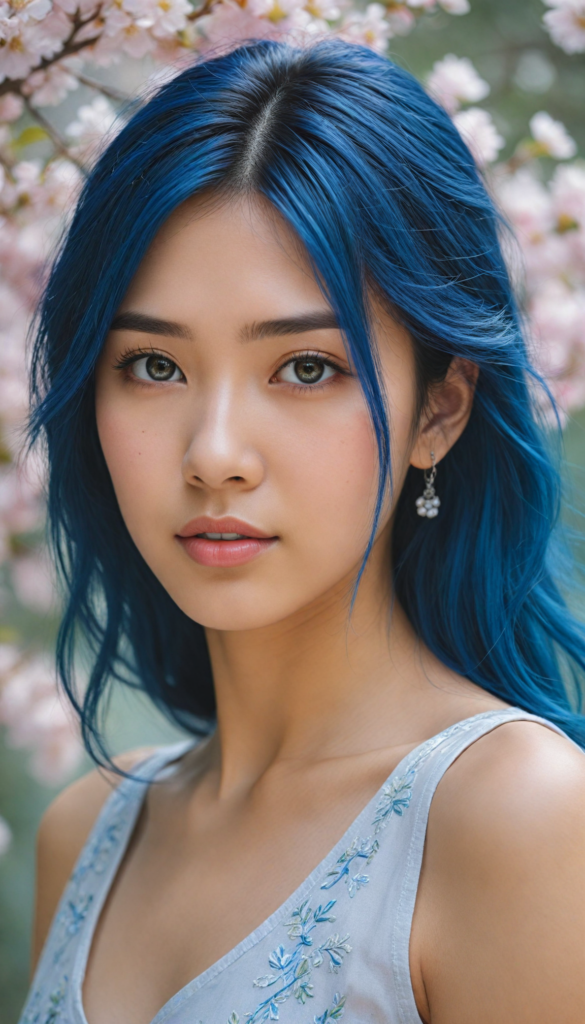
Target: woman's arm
[62, 833]
[499, 929]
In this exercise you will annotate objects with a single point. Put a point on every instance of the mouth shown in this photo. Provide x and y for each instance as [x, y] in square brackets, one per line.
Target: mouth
[223, 543]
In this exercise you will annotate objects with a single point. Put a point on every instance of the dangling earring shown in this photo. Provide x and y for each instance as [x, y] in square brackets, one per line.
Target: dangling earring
[428, 504]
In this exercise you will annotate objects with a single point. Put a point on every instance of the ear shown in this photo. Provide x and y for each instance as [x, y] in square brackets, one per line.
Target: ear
[446, 414]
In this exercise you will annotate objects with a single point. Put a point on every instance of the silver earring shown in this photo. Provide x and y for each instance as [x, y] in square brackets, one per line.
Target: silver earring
[428, 504]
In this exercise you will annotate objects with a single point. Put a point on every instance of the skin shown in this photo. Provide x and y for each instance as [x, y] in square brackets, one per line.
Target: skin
[308, 704]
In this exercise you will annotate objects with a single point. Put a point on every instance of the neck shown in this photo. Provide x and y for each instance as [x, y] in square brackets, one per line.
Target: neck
[317, 684]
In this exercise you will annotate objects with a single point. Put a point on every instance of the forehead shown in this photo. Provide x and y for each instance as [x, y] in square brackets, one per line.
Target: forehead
[209, 249]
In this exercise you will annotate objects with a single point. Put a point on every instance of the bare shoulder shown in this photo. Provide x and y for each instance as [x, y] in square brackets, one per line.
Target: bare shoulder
[501, 904]
[63, 830]
[519, 768]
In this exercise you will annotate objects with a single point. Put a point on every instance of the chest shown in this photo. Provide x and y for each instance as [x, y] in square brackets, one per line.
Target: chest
[189, 892]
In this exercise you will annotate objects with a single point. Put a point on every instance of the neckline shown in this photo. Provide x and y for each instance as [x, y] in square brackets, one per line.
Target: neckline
[159, 761]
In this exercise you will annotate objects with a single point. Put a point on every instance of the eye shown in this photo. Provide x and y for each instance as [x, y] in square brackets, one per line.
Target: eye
[156, 367]
[307, 370]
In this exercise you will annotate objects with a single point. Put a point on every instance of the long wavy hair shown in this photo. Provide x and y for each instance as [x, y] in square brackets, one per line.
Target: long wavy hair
[383, 194]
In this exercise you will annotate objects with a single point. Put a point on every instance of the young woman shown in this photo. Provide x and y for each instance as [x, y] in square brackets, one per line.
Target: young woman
[299, 496]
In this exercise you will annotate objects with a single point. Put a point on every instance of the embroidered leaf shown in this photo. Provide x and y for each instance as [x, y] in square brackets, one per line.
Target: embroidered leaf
[303, 967]
[322, 913]
[234, 1018]
[264, 981]
[273, 1008]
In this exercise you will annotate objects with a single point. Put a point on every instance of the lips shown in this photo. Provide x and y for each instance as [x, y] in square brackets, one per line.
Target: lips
[221, 551]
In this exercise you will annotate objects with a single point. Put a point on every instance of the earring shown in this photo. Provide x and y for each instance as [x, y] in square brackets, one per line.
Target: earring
[428, 504]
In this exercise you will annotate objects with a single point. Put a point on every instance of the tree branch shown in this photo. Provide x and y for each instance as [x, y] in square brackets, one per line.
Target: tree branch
[113, 94]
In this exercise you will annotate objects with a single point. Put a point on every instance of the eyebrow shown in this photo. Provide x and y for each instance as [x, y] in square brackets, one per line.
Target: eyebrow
[134, 321]
[319, 320]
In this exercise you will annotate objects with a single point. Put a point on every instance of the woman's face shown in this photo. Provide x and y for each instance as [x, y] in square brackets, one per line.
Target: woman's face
[224, 391]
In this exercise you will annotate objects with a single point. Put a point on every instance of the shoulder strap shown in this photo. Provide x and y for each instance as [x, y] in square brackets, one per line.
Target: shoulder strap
[71, 931]
[431, 765]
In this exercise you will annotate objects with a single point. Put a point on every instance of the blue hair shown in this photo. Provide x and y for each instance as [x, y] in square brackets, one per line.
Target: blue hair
[385, 197]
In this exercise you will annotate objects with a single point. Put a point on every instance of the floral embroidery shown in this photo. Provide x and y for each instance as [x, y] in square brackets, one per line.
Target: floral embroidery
[364, 849]
[335, 1011]
[52, 1012]
[292, 969]
[395, 799]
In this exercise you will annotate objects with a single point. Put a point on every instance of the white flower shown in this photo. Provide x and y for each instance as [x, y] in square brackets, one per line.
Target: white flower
[528, 205]
[568, 195]
[162, 17]
[566, 24]
[5, 836]
[552, 136]
[370, 28]
[454, 81]
[480, 133]
[26, 41]
[11, 107]
[50, 87]
[455, 6]
[94, 122]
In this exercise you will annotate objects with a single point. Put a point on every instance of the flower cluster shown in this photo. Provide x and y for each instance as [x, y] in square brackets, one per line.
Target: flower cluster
[548, 219]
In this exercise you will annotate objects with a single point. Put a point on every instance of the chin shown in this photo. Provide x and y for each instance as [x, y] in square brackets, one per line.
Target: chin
[238, 614]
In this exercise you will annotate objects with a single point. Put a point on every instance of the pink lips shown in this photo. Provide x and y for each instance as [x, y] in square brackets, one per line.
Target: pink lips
[223, 553]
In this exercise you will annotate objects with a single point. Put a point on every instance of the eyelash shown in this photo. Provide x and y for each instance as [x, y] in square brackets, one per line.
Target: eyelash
[131, 356]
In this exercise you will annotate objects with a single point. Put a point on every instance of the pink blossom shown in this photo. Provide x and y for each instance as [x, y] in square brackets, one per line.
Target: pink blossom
[552, 136]
[455, 6]
[454, 81]
[84, 7]
[5, 836]
[370, 28]
[480, 133]
[229, 23]
[11, 107]
[50, 87]
[568, 195]
[26, 9]
[26, 42]
[566, 24]
[528, 205]
[92, 127]
[162, 17]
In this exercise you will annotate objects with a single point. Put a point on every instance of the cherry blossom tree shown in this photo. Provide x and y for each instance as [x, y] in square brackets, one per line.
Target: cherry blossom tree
[48, 49]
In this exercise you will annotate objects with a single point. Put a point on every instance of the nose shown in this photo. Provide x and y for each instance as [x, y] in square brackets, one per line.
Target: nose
[220, 453]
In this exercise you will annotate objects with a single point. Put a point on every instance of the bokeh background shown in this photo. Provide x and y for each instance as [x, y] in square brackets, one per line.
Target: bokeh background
[526, 73]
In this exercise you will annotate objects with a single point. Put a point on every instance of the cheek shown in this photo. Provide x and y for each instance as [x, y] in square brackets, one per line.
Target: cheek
[331, 476]
[140, 457]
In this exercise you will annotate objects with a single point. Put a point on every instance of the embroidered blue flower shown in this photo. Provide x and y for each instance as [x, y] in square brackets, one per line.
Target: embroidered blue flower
[360, 849]
[334, 1012]
[395, 799]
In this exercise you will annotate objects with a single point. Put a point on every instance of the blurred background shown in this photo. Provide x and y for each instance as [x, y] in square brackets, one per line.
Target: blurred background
[527, 72]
